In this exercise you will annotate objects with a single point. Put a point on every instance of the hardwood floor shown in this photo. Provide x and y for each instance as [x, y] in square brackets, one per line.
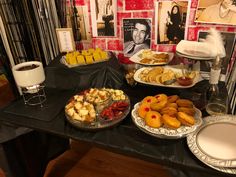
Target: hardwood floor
[83, 160]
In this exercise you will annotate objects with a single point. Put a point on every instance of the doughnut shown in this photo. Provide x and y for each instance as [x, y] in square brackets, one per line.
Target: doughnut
[174, 105]
[153, 119]
[161, 97]
[170, 122]
[184, 103]
[169, 110]
[156, 106]
[185, 119]
[189, 111]
[149, 99]
[143, 109]
[173, 98]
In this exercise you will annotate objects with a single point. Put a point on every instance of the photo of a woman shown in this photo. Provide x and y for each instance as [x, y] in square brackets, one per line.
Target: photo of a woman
[174, 26]
[170, 21]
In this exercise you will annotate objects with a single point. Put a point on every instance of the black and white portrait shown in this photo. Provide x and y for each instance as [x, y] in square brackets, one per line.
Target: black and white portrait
[170, 21]
[137, 34]
[216, 11]
[103, 14]
[229, 40]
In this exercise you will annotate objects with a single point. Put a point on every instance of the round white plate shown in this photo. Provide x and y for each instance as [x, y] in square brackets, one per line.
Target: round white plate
[214, 143]
[163, 132]
[138, 56]
[193, 57]
[174, 85]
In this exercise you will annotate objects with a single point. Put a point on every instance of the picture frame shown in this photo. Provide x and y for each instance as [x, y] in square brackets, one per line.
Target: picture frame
[216, 12]
[170, 27]
[65, 39]
[143, 41]
[104, 18]
[229, 39]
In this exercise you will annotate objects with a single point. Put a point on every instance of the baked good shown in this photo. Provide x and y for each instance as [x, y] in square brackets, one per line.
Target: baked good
[143, 109]
[189, 111]
[172, 98]
[167, 76]
[174, 105]
[149, 99]
[89, 59]
[153, 119]
[184, 103]
[104, 55]
[185, 119]
[170, 122]
[161, 102]
[169, 110]
[80, 59]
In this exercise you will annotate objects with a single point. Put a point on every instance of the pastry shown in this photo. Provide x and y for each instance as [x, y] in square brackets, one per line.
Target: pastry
[143, 110]
[149, 99]
[169, 110]
[189, 111]
[174, 105]
[185, 119]
[170, 122]
[80, 59]
[161, 102]
[172, 98]
[153, 119]
[184, 103]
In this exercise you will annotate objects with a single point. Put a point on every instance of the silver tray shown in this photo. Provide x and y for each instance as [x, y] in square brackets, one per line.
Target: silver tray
[99, 122]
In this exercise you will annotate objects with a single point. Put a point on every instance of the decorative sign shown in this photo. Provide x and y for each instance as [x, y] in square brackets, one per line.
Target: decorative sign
[65, 39]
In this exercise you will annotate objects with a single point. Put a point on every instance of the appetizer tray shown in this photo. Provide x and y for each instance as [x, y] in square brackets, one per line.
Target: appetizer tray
[84, 57]
[95, 109]
[208, 142]
[144, 76]
[152, 58]
[163, 132]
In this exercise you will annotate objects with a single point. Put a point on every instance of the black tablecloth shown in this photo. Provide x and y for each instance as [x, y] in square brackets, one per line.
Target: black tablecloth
[104, 74]
[125, 138]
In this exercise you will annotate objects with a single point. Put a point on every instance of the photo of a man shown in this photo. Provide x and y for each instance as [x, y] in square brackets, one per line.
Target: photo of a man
[216, 11]
[137, 34]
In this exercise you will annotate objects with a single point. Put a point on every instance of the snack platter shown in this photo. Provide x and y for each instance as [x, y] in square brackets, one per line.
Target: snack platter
[84, 57]
[144, 76]
[152, 58]
[164, 132]
[95, 109]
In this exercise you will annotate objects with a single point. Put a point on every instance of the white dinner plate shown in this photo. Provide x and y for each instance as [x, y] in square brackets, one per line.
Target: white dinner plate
[138, 56]
[193, 57]
[214, 143]
[166, 133]
[194, 50]
[173, 85]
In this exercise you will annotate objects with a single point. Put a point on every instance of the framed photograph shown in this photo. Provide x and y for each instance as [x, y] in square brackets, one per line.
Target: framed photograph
[65, 39]
[137, 35]
[104, 17]
[229, 42]
[171, 17]
[216, 11]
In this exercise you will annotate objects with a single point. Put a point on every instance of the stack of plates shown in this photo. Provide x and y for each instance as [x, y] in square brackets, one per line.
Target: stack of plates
[194, 50]
[214, 143]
